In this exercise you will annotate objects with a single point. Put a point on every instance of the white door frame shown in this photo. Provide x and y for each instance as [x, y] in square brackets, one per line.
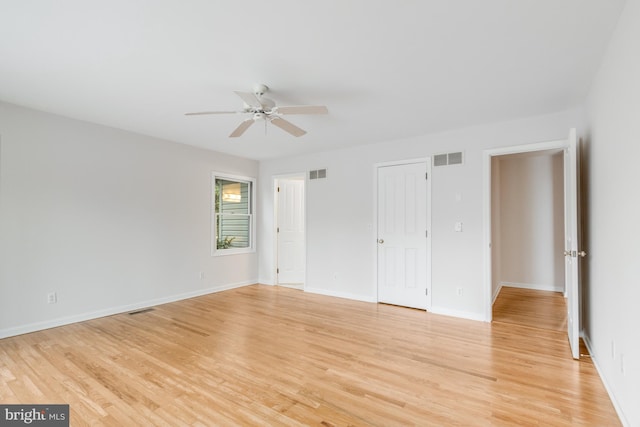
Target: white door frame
[486, 207]
[374, 228]
[274, 184]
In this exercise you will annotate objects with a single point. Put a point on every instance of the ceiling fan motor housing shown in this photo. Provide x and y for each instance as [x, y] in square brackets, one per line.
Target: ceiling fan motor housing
[260, 89]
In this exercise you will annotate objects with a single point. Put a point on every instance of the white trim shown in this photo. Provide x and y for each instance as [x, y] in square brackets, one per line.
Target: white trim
[376, 166]
[612, 397]
[274, 225]
[402, 162]
[429, 233]
[444, 311]
[252, 215]
[486, 208]
[39, 326]
[534, 286]
[374, 231]
[345, 295]
[496, 293]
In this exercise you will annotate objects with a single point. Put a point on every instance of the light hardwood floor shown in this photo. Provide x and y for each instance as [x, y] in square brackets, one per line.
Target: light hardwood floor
[527, 307]
[262, 355]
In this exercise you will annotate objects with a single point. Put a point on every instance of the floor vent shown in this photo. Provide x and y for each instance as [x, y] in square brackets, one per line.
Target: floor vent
[318, 174]
[144, 310]
[448, 159]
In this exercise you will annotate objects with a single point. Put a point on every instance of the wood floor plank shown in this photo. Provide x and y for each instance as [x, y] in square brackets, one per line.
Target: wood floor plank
[528, 307]
[262, 355]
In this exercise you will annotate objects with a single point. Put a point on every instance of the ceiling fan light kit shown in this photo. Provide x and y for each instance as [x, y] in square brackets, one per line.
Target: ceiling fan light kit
[265, 109]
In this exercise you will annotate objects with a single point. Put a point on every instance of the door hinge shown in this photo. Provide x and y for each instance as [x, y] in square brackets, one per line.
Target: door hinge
[426, 175]
[426, 233]
[278, 189]
[277, 271]
[426, 292]
[278, 230]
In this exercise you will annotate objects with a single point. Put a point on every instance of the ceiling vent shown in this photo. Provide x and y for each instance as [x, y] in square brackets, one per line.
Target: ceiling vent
[448, 159]
[318, 174]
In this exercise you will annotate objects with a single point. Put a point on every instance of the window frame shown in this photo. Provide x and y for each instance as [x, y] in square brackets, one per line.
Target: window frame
[251, 248]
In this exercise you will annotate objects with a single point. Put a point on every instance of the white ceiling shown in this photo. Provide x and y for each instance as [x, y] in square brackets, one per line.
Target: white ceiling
[385, 69]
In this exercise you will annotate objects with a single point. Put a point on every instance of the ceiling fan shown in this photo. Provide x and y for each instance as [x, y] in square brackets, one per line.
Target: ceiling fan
[265, 109]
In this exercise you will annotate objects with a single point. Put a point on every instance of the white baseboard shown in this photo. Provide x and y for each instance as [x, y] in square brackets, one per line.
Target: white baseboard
[435, 310]
[534, 286]
[612, 396]
[470, 315]
[61, 321]
[266, 282]
[336, 294]
[496, 293]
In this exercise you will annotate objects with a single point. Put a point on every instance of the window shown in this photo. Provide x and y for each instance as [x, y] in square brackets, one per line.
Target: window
[233, 220]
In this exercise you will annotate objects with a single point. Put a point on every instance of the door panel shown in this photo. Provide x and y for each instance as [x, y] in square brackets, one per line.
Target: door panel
[402, 240]
[291, 250]
[572, 284]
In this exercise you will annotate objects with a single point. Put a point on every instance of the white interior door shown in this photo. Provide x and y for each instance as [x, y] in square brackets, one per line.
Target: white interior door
[290, 231]
[402, 234]
[572, 254]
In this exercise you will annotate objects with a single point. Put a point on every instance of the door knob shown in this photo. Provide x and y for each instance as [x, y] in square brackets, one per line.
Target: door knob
[575, 254]
[380, 241]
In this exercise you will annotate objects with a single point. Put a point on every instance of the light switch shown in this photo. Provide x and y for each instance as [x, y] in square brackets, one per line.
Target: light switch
[458, 227]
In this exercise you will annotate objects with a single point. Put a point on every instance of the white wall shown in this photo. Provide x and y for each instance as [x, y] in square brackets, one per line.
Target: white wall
[108, 219]
[340, 211]
[530, 232]
[612, 273]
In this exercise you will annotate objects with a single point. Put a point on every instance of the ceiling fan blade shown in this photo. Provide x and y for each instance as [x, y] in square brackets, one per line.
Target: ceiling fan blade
[241, 128]
[249, 98]
[288, 126]
[303, 109]
[202, 113]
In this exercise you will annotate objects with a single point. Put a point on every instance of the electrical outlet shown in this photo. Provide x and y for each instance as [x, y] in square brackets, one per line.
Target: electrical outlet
[458, 227]
[459, 291]
[52, 298]
[201, 275]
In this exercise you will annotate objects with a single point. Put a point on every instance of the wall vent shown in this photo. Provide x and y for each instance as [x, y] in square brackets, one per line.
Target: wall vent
[440, 160]
[448, 159]
[144, 310]
[318, 174]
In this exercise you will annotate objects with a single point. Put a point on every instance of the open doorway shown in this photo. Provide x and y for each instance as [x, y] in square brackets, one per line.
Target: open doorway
[527, 221]
[527, 239]
[290, 230]
[518, 255]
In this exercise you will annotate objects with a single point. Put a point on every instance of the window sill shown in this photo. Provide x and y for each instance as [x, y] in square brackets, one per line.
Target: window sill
[239, 251]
